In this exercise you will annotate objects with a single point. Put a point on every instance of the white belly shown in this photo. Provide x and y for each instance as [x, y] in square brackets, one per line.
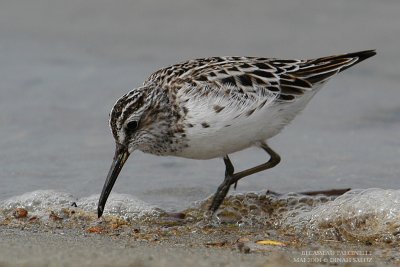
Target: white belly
[228, 133]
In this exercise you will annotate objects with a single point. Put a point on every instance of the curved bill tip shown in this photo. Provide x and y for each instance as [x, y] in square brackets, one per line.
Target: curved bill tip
[121, 155]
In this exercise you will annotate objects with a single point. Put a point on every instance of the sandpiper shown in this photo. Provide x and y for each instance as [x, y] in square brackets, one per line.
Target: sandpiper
[212, 107]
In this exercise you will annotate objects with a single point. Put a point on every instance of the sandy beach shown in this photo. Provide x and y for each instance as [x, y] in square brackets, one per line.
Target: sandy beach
[63, 247]
[60, 248]
[19, 248]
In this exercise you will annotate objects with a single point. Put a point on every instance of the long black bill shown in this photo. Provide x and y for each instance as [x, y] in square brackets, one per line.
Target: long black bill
[121, 155]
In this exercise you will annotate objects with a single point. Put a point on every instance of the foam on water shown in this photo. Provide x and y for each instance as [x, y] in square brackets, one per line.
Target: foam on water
[124, 205]
[360, 215]
[369, 216]
[39, 200]
[42, 201]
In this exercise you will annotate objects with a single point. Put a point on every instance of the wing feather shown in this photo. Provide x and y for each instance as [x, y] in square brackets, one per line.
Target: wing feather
[243, 77]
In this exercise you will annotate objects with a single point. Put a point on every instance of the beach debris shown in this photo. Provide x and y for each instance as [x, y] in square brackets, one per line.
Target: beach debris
[170, 219]
[271, 243]
[116, 223]
[95, 229]
[20, 213]
[74, 205]
[54, 217]
[243, 239]
[216, 244]
[242, 247]
[176, 215]
[331, 192]
[33, 218]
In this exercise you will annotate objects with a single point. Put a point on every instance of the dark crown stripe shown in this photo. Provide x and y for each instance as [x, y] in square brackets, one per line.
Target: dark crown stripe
[131, 105]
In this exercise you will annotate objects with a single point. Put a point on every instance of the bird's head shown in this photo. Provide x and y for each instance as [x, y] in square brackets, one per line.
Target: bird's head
[129, 118]
[136, 122]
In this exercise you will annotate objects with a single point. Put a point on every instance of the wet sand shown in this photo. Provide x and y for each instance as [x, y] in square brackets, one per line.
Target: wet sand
[72, 248]
[61, 247]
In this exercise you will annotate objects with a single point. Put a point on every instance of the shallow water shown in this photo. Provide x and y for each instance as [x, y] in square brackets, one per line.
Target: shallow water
[63, 67]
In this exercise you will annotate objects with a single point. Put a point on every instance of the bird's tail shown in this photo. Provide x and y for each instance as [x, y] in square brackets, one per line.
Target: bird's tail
[321, 69]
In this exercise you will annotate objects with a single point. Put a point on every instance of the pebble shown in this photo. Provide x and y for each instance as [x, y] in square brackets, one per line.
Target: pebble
[20, 213]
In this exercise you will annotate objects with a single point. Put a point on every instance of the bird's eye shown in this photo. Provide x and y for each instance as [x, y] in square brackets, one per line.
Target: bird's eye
[132, 126]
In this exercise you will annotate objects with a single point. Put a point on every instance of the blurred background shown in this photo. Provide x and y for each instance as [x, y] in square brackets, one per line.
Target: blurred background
[63, 64]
